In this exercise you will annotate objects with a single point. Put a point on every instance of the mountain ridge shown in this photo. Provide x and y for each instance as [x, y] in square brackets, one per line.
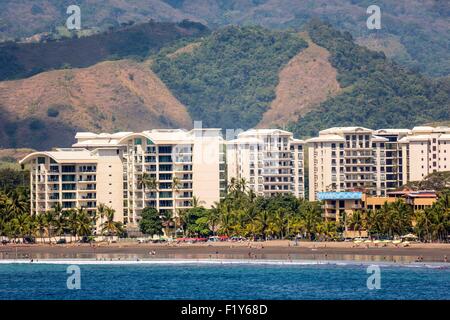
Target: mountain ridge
[418, 29]
[47, 109]
[236, 77]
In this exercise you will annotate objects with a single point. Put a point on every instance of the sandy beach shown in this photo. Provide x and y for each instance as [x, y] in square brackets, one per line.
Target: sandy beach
[276, 250]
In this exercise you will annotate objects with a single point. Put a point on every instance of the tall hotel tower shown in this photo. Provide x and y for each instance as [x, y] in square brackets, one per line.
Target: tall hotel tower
[114, 169]
[270, 160]
[375, 162]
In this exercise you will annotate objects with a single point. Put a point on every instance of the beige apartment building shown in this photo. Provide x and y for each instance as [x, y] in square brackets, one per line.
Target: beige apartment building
[112, 169]
[75, 178]
[344, 159]
[375, 162]
[167, 168]
[426, 150]
[270, 160]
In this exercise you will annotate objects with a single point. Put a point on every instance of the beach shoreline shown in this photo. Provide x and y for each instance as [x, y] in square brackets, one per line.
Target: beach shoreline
[281, 250]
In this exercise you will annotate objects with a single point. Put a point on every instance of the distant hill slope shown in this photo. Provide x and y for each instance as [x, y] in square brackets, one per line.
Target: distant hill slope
[240, 77]
[307, 80]
[236, 77]
[377, 93]
[229, 80]
[44, 111]
[414, 32]
[438, 181]
[25, 18]
[26, 59]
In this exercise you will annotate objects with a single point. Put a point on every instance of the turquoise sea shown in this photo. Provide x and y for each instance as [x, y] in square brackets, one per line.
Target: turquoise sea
[220, 280]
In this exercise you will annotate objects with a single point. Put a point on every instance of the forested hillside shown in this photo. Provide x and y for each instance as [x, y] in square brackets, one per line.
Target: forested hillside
[19, 60]
[47, 109]
[413, 32]
[229, 80]
[235, 77]
[377, 92]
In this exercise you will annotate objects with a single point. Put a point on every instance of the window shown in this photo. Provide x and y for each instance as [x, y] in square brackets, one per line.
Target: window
[165, 149]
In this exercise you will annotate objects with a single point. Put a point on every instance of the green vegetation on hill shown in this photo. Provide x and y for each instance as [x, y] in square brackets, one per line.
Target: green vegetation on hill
[418, 28]
[378, 93]
[19, 60]
[414, 32]
[438, 181]
[13, 179]
[230, 80]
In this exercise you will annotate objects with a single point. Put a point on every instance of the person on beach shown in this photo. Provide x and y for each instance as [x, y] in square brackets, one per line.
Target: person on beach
[445, 259]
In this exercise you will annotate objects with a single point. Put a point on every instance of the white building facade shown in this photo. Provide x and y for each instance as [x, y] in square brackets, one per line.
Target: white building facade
[270, 160]
[114, 169]
[426, 150]
[375, 161]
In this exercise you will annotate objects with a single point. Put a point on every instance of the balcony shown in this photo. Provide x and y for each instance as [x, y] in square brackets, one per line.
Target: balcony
[87, 179]
[88, 196]
[68, 178]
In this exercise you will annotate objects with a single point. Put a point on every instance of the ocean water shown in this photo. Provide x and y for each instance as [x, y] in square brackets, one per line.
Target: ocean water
[220, 280]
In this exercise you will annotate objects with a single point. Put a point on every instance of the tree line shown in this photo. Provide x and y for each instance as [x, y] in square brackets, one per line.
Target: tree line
[244, 214]
[16, 222]
[240, 213]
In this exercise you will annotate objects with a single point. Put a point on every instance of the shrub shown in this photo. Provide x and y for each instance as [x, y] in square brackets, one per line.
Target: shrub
[52, 112]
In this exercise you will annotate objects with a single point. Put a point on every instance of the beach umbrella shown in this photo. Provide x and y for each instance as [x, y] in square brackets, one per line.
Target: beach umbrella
[409, 236]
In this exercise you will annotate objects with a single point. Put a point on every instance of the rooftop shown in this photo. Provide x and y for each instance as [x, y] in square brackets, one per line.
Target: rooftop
[63, 156]
[339, 195]
[328, 137]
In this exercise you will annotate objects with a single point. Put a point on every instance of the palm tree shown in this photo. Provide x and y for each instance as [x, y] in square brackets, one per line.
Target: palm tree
[101, 211]
[226, 223]
[176, 184]
[40, 225]
[214, 217]
[50, 218]
[22, 225]
[263, 219]
[111, 227]
[281, 221]
[328, 229]
[242, 185]
[83, 223]
[196, 202]
[356, 221]
[19, 202]
[71, 222]
[311, 215]
[3, 226]
[297, 225]
[401, 217]
[147, 181]
[59, 224]
[166, 218]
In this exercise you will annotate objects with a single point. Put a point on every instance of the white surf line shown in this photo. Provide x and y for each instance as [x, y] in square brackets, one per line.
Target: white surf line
[224, 262]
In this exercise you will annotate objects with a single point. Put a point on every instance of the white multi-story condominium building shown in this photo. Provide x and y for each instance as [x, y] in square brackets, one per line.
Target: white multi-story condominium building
[129, 171]
[270, 160]
[345, 159]
[356, 158]
[425, 150]
[391, 167]
[75, 178]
